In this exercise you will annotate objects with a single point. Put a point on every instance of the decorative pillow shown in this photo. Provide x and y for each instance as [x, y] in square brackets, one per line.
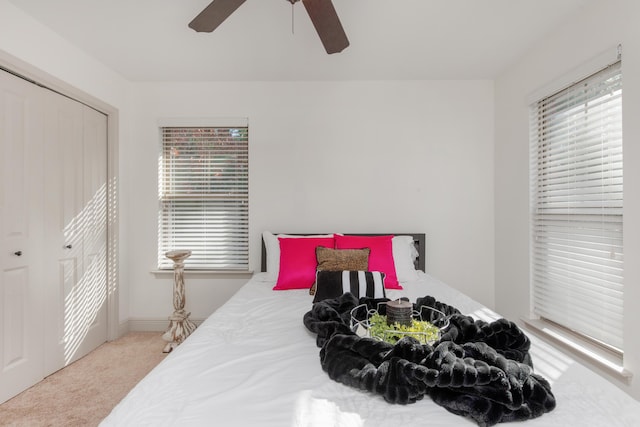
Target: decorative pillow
[342, 259]
[380, 257]
[404, 256]
[272, 248]
[298, 261]
[332, 284]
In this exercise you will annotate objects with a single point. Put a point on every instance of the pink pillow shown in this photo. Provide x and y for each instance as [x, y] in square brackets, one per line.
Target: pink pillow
[380, 257]
[298, 261]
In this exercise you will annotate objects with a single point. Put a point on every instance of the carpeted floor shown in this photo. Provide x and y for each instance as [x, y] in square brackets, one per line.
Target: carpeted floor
[83, 393]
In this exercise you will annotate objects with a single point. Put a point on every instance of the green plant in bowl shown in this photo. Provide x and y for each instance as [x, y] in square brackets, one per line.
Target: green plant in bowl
[424, 332]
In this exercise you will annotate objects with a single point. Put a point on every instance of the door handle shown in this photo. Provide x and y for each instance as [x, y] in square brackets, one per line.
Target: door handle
[18, 253]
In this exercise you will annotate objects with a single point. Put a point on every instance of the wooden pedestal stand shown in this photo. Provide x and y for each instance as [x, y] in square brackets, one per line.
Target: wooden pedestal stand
[180, 327]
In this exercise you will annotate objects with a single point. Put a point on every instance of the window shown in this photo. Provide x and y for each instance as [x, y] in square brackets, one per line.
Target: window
[204, 197]
[576, 207]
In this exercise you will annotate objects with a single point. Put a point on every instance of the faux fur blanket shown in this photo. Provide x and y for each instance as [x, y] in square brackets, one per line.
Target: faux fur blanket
[479, 370]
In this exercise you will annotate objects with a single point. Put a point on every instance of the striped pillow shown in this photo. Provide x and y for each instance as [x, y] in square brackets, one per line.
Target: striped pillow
[332, 284]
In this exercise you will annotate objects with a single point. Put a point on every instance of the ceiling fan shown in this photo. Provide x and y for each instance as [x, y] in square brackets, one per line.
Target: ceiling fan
[322, 13]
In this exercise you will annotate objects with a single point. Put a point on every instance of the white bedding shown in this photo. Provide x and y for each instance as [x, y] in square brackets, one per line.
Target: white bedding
[253, 363]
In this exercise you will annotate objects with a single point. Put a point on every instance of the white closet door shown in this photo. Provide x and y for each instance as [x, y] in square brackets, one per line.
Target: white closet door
[53, 220]
[21, 176]
[75, 314]
[93, 282]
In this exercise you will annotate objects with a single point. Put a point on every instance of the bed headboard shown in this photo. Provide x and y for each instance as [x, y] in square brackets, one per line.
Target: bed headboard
[419, 239]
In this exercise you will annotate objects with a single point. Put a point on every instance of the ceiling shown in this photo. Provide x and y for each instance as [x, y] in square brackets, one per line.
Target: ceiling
[271, 40]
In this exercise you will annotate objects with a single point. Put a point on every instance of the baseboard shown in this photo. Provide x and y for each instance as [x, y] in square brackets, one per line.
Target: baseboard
[153, 324]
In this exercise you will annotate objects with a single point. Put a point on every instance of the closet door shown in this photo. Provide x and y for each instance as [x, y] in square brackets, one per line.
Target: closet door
[21, 286]
[75, 230]
[93, 281]
[53, 219]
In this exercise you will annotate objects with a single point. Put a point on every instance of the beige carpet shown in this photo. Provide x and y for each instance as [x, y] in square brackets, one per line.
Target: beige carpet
[83, 393]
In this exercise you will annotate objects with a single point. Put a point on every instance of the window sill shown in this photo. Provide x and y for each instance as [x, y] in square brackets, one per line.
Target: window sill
[205, 274]
[590, 353]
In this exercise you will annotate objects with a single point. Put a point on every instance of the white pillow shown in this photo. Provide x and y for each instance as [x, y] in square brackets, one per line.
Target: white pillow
[272, 247]
[404, 255]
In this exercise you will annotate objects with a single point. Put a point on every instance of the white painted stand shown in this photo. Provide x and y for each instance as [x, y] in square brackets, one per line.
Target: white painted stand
[180, 327]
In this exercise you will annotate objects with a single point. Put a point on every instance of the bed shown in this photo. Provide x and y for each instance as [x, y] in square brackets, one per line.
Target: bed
[254, 362]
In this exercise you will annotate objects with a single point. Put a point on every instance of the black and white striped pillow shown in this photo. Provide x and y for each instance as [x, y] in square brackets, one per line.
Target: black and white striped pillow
[332, 284]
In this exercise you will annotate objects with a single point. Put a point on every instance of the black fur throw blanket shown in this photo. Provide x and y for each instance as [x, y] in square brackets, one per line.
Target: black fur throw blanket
[478, 370]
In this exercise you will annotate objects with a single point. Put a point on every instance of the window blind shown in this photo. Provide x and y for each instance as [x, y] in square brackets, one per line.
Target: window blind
[577, 202]
[204, 197]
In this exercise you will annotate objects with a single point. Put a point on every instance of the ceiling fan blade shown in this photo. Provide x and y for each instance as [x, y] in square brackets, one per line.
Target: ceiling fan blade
[214, 14]
[325, 19]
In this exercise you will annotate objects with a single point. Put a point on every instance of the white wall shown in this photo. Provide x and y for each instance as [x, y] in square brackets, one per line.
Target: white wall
[600, 26]
[333, 156]
[29, 48]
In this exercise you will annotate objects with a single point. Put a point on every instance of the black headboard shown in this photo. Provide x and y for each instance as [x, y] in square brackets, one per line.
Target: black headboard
[419, 239]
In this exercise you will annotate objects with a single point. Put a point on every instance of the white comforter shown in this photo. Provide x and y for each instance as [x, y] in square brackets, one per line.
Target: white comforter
[253, 363]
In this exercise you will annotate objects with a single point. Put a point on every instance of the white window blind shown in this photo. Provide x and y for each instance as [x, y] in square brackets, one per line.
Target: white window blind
[576, 201]
[204, 197]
